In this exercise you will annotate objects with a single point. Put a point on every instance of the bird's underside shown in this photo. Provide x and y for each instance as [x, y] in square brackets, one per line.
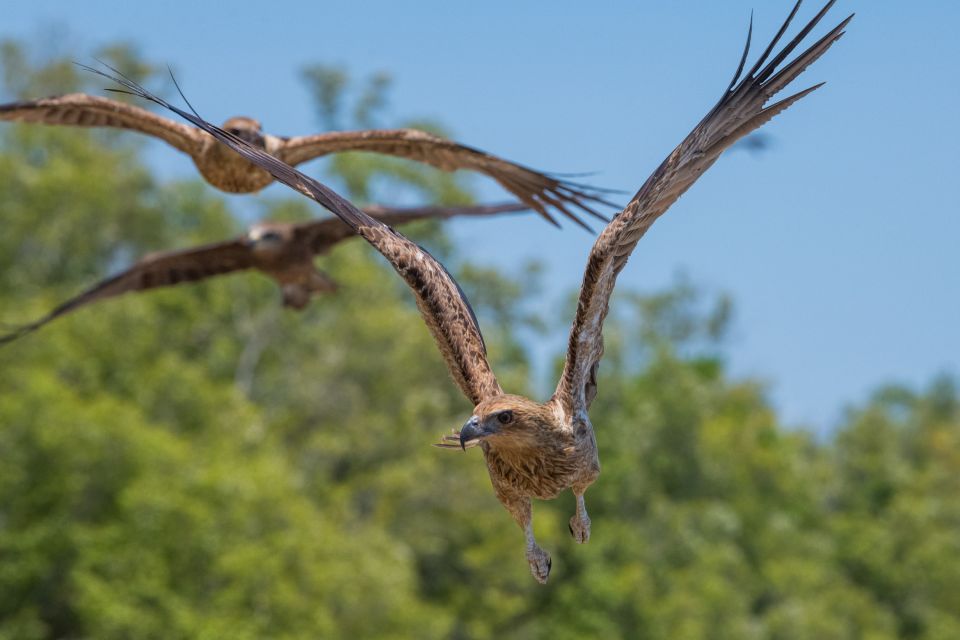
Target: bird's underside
[537, 450]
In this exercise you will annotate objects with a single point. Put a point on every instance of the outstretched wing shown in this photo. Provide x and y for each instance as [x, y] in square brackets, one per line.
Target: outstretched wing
[441, 301]
[153, 271]
[81, 110]
[539, 191]
[740, 111]
[320, 235]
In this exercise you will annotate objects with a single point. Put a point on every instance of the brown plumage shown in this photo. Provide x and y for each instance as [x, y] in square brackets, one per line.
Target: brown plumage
[229, 172]
[282, 251]
[536, 450]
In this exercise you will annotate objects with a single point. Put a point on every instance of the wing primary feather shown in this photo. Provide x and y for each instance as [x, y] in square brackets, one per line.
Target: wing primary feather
[175, 84]
[446, 155]
[788, 49]
[773, 43]
[64, 307]
[596, 214]
[559, 206]
[795, 68]
[18, 331]
[743, 58]
[569, 185]
[768, 113]
[159, 269]
[322, 234]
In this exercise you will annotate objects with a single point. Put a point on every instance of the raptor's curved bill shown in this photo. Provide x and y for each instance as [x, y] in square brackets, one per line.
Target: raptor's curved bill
[471, 432]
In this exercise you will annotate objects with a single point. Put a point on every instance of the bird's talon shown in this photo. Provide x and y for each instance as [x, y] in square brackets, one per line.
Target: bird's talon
[579, 529]
[540, 564]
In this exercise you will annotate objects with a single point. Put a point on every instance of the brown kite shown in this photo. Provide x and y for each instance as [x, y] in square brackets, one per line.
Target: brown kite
[282, 251]
[533, 449]
[229, 172]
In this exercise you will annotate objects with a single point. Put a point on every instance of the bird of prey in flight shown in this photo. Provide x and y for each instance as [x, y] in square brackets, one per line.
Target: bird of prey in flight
[282, 251]
[229, 172]
[533, 449]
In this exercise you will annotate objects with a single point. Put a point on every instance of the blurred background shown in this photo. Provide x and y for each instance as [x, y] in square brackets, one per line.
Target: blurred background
[778, 414]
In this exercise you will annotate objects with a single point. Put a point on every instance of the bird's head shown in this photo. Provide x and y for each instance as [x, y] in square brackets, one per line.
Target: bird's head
[506, 421]
[246, 129]
[266, 237]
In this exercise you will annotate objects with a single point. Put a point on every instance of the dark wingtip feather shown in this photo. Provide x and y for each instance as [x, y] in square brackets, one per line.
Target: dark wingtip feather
[771, 67]
[743, 58]
[130, 87]
[785, 76]
[583, 225]
[180, 91]
[560, 204]
[589, 190]
[783, 104]
[563, 175]
[773, 43]
[485, 209]
[18, 332]
[597, 214]
[539, 208]
[565, 194]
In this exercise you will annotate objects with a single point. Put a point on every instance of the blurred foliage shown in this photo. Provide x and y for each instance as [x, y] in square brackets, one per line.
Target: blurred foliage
[30, 73]
[199, 463]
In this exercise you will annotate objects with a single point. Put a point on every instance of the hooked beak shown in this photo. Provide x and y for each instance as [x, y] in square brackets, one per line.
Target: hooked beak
[470, 431]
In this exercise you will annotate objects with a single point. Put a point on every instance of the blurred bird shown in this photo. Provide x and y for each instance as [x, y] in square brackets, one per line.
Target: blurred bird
[532, 449]
[282, 251]
[229, 172]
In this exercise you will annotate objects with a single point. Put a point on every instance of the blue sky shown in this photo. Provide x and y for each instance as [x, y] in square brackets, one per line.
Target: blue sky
[838, 244]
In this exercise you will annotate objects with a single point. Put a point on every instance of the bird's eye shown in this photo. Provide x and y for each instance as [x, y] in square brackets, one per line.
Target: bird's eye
[234, 131]
[505, 417]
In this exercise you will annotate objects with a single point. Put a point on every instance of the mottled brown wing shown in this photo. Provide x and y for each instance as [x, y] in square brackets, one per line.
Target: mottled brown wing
[740, 111]
[81, 110]
[320, 235]
[442, 303]
[539, 191]
[151, 272]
